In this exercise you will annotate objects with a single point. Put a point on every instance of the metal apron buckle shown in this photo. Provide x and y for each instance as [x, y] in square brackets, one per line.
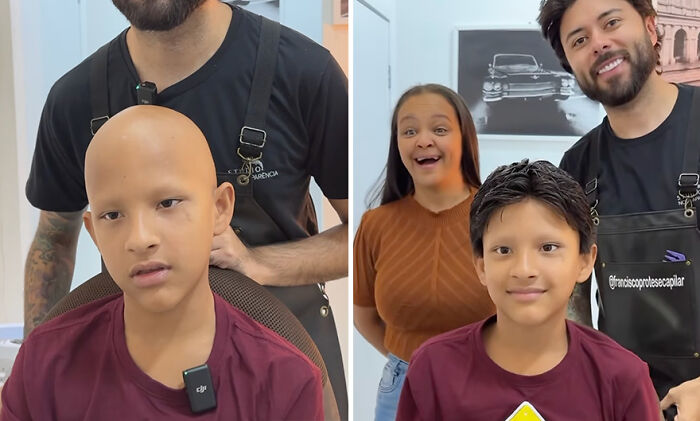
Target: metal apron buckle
[688, 181]
[247, 167]
[325, 309]
[594, 213]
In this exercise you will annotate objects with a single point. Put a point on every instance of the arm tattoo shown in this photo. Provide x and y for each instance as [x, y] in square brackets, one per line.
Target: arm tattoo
[579, 309]
[49, 267]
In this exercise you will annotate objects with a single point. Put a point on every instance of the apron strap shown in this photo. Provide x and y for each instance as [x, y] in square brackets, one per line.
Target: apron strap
[688, 180]
[253, 135]
[591, 187]
[99, 88]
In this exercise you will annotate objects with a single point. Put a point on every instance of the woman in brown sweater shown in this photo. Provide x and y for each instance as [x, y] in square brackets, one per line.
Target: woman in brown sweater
[413, 274]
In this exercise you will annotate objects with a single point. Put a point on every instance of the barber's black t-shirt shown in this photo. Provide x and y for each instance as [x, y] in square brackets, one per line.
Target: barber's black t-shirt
[307, 122]
[641, 174]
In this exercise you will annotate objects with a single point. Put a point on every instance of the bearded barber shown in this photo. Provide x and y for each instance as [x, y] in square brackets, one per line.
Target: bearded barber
[202, 58]
[639, 169]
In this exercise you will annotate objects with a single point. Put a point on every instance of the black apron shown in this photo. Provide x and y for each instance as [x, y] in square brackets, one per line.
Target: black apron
[252, 224]
[647, 271]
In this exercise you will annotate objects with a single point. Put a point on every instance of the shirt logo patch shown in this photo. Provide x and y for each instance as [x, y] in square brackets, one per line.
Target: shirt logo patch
[257, 171]
[525, 412]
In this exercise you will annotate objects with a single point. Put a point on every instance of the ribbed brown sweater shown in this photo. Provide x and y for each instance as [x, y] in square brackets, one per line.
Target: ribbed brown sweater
[415, 266]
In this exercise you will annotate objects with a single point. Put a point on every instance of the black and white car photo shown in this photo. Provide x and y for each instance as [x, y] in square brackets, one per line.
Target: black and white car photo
[521, 76]
[514, 85]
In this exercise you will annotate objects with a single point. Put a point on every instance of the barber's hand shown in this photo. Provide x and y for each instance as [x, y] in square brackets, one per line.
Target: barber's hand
[686, 396]
[229, 252]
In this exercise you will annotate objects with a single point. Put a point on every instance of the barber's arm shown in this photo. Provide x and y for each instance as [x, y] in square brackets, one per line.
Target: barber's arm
[50, 262]
[322, 257]
[579, 309]
[686, 397]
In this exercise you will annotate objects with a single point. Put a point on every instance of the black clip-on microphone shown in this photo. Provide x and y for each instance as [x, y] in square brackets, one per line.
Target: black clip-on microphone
[146, 93]
[200, 388]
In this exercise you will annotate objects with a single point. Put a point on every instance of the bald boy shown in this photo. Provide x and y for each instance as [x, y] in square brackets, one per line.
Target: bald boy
[154, 211]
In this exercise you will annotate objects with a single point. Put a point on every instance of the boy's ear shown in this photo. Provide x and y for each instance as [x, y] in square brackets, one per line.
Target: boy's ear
[87, 220]
[224, 200]
[587, 263]
[480, 272]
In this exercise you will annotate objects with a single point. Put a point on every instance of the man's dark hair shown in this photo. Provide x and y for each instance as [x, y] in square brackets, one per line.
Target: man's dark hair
[552, 11]
[541, 181]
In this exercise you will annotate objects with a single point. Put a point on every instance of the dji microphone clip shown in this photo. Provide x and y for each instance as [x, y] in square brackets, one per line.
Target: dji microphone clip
[146, 93]
[200, 388]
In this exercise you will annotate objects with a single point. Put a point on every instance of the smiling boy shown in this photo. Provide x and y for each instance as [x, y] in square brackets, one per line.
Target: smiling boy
[533, 240]
[154, 211]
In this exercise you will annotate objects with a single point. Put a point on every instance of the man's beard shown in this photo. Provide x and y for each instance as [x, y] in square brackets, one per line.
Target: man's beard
[619, 91]
[156, 15]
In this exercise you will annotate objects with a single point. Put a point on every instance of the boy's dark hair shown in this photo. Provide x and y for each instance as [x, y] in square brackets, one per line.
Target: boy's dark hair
[539, 180]
[552, 11]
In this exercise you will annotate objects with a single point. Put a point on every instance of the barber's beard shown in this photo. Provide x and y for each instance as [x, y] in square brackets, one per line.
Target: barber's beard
[156, 15]
[621, 89]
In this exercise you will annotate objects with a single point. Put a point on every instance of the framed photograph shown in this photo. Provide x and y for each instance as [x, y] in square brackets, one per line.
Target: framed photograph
[340, 12]
[514, 85]
[680, 49]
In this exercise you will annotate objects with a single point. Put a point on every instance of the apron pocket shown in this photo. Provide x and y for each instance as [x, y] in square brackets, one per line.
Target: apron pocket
[649, 307]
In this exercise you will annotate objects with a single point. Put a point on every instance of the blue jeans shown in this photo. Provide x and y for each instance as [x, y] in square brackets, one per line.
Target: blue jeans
[390, 389]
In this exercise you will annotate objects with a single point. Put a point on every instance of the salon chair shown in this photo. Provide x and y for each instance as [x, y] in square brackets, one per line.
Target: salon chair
[244, 294]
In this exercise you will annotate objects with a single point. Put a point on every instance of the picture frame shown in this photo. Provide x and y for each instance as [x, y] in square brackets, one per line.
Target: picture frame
[340, 12]
[680, 50]
[515, 87]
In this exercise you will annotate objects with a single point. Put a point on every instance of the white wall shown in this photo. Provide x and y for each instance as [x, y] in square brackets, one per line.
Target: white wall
[10, 253]
[373, 39]
[423, 51]
[45, 43]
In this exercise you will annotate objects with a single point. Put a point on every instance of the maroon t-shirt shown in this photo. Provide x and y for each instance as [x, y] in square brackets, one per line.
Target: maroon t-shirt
[77, 367]
[451, 377]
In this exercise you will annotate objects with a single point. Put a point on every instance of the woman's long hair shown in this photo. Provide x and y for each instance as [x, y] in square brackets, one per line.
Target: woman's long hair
[397, 181]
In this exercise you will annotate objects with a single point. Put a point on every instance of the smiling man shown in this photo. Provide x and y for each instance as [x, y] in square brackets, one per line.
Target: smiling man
[639, 169]
[154, 211]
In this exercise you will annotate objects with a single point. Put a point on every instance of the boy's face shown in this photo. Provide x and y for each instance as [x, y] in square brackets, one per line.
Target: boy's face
[610, 48]
[154, 208]
[531, 262]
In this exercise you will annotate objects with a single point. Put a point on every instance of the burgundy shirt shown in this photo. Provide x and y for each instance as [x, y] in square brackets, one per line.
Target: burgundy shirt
[451, 377]
[77, 367]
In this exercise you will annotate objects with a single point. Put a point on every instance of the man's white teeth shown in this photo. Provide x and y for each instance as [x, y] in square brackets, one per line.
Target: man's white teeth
[610, 66]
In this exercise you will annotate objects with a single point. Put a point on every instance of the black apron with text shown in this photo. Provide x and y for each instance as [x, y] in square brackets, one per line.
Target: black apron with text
[647, 271]
[252, 224]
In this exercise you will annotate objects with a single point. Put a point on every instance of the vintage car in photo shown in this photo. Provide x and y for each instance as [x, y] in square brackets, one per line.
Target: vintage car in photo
[521, 76]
